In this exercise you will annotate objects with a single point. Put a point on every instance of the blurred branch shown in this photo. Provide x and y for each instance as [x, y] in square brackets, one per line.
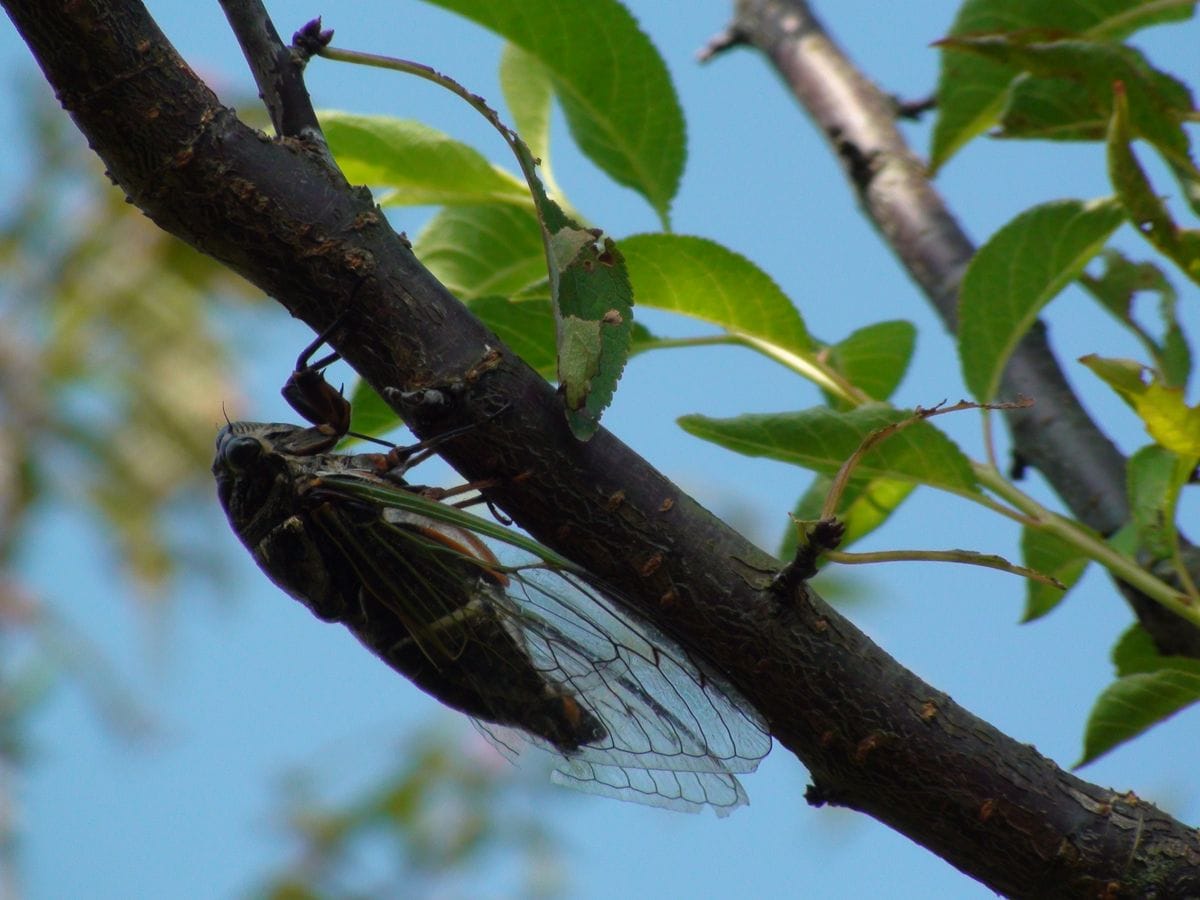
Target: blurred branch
[874, 737]
[1056, 435]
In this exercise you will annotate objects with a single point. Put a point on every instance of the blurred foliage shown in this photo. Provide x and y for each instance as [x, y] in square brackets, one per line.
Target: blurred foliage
[109, 373]
[111, 370]
[426, 828]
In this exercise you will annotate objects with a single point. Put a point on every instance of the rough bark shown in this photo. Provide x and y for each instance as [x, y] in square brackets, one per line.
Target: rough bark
[874, 737]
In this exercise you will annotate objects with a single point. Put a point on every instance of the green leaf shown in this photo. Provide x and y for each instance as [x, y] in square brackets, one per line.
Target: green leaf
[1117, 287]
[526, 326]
[1155, 477]
[874, 358]
[1135, 652]
[1050, 555]
[702, 279]
[528, 90]
[863, 507]
[972, 90]
[1167, 417]
[594, 323]
[1070, 96]
[1017, 272]
[615, 90]
[369, 413]
[822, 439]
[1144, 207]
[415, 164]
[484, 251]
[1134, 703]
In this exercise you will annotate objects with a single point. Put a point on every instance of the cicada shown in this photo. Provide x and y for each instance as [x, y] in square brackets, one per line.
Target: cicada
[534, 649]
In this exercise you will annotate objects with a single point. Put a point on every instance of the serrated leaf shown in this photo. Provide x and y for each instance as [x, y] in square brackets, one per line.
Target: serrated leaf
[863, 507]
[615, 90]
[1051, 555]
[594, 325]
[1021, 268]
[1167, 417]
[705, 280]
[822, 439]
[1070, 95]
[1132, 704]
[874, 358]
[1154, 478]
[527, 327]
[484, 251]
[1144, 207]
[1116, 289]
[415, 164]
[1135, 652]
[972, 89]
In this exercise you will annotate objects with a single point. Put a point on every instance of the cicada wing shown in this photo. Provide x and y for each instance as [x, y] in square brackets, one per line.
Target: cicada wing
[675, 731]
[638, 718]
[663, 708]
[665, 788]
[681, 791]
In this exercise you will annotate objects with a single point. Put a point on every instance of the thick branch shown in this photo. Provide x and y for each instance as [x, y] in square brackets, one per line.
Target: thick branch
[1056, 435]
[874, 737]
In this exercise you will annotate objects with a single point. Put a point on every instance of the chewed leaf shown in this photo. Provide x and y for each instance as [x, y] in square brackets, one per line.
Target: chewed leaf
[594, 316]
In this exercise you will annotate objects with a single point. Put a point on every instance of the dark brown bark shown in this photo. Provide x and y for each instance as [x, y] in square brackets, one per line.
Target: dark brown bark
[874, 737]
[1055, 435]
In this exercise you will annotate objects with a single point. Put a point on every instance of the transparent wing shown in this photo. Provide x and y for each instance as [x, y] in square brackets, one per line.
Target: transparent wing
[676, 732]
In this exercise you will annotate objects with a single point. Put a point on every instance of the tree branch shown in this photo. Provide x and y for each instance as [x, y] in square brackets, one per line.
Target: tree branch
[1056, 435]
[875, 737]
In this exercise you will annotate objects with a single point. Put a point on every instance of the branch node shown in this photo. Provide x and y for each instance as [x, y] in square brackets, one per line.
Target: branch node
[728, 38]
[815, 539]
[309, 40]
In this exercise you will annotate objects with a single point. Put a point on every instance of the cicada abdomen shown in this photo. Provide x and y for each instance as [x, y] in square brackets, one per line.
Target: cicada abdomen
[420, 596]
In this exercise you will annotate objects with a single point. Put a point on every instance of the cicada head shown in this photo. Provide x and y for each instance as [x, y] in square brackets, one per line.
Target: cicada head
[255, 478]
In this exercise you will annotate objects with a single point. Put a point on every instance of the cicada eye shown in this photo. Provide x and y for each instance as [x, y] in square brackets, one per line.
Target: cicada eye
[242, 452]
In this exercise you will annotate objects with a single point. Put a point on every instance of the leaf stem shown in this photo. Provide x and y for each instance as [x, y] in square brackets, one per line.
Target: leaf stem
[964, 557]
[1121, 566]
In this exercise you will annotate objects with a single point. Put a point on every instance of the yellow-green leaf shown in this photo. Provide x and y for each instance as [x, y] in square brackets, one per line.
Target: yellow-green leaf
[415, 164]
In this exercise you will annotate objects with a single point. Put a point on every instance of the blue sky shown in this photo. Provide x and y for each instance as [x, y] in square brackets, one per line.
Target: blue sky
[233, 679]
